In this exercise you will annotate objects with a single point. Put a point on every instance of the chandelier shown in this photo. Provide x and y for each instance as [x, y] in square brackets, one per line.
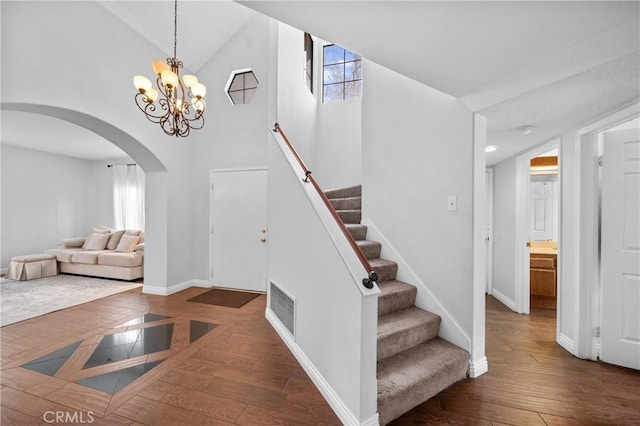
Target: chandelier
[175, 113]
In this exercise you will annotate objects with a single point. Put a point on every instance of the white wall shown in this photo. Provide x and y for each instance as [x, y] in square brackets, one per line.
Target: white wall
[235, 136]
[327, 136]
[335, 316]
[418, 152]
[46, 197]
[504, 231]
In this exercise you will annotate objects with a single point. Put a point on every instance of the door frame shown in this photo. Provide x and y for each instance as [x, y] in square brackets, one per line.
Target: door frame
[588, 315]
[489, 230]
[522, 226]
[212, 172]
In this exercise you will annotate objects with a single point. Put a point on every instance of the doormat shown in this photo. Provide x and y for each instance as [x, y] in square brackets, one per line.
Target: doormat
[229, 298]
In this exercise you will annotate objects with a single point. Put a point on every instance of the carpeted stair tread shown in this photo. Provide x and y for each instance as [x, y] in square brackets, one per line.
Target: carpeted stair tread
[386, 269]
[358, 232]
[395, 296]
[404, 329]
[350, 216]
[351, 191]
[350, 203]
[371, 249]
[413, 376]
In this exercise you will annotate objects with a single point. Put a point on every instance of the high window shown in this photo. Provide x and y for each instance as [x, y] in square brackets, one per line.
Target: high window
[308, 64]
[342, 74]
[241, 87]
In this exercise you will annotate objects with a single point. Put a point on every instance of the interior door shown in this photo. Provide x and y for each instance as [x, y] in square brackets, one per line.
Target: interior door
[239, 229]
[541, 213]
[620, 330]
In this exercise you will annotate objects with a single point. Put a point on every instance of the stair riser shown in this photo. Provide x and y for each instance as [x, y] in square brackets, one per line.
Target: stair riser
[352, 191]
[392, 344]
[354, 203]
[371, 251]
[349, 216]
[386, 272]
[396, 301]
[358, 232]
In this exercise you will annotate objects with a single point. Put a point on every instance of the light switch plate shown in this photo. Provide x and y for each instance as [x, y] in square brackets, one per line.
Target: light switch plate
[452, 203]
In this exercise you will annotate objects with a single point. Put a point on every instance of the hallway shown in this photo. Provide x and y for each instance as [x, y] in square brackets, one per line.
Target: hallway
[533, 381]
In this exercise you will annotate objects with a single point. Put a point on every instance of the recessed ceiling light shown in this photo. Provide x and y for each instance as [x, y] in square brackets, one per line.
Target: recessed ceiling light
[490, 148]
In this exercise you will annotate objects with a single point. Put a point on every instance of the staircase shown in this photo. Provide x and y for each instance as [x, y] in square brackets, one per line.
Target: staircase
[414, 364]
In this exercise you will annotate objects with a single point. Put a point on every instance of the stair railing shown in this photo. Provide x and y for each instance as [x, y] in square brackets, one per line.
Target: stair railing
[308, 178]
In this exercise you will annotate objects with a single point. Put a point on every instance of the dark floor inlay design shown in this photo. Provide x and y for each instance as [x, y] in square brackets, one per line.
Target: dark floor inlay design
[51, 363]
[130, 344]
[197, 329]
[116, 380]
[146, 319]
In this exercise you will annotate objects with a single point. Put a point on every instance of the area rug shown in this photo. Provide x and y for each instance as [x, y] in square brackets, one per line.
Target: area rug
[21, 300]
[229, 298]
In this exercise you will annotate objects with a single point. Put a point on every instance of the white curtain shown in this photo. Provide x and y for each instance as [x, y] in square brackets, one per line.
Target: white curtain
[128, 196]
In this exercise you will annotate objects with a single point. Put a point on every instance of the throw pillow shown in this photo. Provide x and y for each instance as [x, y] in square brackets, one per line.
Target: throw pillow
[97, 241]
[95, 231]
[127, 243]
[114, 240]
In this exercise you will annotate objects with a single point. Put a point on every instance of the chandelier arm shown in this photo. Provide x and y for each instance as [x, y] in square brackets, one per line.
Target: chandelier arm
[148, 108]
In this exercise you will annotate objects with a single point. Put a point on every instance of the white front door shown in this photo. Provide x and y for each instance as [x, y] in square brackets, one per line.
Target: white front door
[620, 331]
[239, 229]
[541, 211]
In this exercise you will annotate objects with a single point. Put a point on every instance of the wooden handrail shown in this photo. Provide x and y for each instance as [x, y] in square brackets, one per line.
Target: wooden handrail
[308, 177]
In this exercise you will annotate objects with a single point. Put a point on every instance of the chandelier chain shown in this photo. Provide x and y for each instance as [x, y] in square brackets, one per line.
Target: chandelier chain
[175, 29]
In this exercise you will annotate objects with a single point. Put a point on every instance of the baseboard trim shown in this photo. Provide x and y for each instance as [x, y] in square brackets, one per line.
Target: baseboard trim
[335, 402]
[511, 304]
[450, 329]
[167, 291]
[566, 343]
[478, 368]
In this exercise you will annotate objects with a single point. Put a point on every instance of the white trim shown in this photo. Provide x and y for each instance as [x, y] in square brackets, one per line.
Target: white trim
[566, 342]
[372, 421]
[478, 368]
[335, 402]
[504, 299]
[167, 291]
[489, 230]
[449, 328]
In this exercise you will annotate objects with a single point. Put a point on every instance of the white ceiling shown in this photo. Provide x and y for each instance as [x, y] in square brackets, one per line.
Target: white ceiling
[554, 65]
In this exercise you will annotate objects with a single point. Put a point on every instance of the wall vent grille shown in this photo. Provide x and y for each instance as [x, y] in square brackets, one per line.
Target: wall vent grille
[284, 307]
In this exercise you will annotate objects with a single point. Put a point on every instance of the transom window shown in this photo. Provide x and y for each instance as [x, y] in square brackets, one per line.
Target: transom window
[342, 74]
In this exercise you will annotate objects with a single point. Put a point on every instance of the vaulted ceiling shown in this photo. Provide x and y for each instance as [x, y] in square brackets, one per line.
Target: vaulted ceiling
[554, 65]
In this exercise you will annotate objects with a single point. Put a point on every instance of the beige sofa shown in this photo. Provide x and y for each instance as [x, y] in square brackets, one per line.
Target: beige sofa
[104, 253]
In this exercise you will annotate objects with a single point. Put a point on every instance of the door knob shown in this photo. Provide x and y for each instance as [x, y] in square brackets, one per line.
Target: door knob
[264, 230]
[263, 239]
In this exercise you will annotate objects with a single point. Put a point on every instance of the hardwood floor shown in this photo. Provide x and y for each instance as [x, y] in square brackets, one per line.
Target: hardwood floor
[241, 373]
[533, 381]
[238, 373]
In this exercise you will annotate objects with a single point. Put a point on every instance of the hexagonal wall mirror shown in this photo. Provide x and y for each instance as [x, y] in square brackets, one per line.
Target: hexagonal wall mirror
[241, 87]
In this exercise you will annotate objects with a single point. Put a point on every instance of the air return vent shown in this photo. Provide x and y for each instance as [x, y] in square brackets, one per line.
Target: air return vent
[284, 307]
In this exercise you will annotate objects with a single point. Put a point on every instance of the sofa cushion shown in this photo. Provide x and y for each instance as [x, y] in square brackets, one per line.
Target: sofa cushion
[114, 239]
[127, 260]
[63, 254]
[99, 230]
[97, 242]
[88, 257]
[127, 243]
